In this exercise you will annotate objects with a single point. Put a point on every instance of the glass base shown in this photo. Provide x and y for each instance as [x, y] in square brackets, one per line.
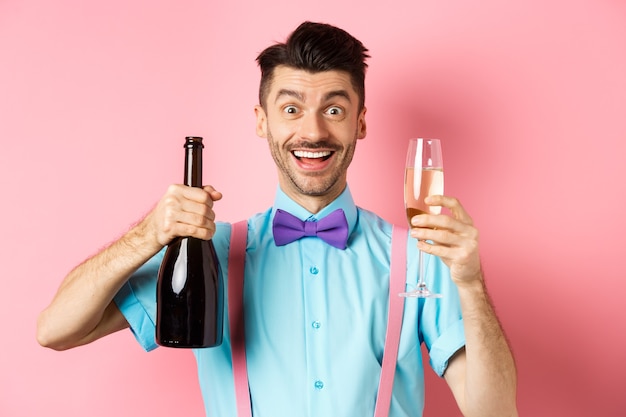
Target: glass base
[419, 292]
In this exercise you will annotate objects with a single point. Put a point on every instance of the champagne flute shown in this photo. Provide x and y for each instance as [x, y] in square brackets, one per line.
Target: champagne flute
[423, 177]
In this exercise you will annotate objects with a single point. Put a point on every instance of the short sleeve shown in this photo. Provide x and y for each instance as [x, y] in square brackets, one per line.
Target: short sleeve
[441, 324]
[137, 301]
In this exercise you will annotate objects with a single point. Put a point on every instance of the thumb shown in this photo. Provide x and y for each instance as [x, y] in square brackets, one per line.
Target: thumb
[215, 195]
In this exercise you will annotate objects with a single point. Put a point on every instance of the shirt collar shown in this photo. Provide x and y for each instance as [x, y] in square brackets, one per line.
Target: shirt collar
[344, 201]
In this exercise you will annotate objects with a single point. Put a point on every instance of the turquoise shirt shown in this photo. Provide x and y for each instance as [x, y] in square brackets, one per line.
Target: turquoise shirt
[315, 320]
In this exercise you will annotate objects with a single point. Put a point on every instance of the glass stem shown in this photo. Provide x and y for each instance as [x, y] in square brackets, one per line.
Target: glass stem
[420, 280]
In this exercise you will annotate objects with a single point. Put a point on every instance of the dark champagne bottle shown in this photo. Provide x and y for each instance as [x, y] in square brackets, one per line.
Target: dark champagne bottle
[190, 290]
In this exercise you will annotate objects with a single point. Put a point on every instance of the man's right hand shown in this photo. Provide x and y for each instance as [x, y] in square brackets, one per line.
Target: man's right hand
[83, 309]
[183, 211]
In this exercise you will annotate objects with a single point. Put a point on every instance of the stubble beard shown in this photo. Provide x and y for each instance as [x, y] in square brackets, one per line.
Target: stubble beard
[312, 184]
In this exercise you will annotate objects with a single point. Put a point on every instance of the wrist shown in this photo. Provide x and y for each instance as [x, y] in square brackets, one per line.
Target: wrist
[473, 291]
[474, 282]
[143, 238]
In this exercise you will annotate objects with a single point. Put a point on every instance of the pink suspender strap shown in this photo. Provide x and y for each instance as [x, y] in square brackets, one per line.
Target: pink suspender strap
[397, 284]
[236, 260]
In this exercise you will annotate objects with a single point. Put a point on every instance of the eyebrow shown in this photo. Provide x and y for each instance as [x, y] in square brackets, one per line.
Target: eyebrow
[300, 97]
[338, 93]
[291, 93]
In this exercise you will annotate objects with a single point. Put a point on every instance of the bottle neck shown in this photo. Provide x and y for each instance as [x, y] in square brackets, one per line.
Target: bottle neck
[193, 162]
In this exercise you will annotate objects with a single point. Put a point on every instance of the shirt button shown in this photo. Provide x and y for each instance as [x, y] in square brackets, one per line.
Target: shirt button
[319, 384]
[316, 324]
[313, 270]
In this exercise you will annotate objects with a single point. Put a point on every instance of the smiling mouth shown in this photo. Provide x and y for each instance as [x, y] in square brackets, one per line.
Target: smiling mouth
[321, 155]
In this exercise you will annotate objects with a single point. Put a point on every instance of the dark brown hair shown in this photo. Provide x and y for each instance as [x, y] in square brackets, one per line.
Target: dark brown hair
[316, 47]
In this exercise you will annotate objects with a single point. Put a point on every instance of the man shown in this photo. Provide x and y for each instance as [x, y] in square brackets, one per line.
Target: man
[315, 314]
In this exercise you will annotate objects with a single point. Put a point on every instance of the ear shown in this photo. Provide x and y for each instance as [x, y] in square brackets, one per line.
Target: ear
[261, 121]
[362, 126]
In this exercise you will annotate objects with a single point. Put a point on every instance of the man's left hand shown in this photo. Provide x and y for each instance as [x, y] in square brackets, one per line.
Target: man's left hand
[454, 238]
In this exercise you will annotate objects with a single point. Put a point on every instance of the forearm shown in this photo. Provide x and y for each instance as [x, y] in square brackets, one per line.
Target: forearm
[490, 375]
[80, 309]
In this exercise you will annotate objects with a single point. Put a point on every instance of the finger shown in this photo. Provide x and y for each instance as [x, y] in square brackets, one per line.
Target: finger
[440, 222]
[457, 257]
[446, 240]
[429, 248]
[215, 195]
[187, 206]
[187, 229]
[454, 257]
[198, 218]
[437, 236]
[197, 194]
[451, 203]
[449, 246]
[189, 218]
[443, 238]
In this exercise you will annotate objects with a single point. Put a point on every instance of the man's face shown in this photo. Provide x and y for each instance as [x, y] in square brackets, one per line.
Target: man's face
[311, 122]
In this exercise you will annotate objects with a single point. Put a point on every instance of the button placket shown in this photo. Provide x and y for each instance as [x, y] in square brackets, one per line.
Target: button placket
[314, 258]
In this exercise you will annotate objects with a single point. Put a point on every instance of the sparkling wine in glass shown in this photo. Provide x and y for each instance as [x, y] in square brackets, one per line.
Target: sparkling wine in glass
[423, 177]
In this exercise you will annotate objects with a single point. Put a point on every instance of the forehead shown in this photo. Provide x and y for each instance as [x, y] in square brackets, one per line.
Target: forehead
[310, 84]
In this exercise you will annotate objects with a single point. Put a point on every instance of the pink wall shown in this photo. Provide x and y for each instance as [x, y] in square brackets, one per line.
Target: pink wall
[529, 97]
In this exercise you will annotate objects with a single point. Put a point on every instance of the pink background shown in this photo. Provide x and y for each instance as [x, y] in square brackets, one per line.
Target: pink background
[529, 97]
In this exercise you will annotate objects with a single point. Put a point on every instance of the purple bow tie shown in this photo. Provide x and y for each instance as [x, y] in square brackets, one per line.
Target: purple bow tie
[332, 229]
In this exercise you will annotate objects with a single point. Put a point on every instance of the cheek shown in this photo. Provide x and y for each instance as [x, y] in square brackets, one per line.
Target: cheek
[281, 130]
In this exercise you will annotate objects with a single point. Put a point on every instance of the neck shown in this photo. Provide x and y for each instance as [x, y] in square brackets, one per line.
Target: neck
[314, 203]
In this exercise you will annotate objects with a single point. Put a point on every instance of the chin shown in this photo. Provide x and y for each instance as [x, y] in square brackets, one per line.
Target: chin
[320, 190]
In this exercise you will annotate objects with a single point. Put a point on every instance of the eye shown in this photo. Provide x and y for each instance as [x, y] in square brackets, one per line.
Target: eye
[334, 111]
[290, 110]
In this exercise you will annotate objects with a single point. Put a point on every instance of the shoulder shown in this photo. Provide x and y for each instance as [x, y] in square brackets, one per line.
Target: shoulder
[257, 225]
[371, 230]
[374, 228]
[370, 222]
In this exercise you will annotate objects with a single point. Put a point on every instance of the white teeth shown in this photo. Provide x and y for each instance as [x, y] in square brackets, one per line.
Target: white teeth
[305, 154]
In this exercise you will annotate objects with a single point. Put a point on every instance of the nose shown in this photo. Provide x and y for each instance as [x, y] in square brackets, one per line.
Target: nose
[313, 127]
